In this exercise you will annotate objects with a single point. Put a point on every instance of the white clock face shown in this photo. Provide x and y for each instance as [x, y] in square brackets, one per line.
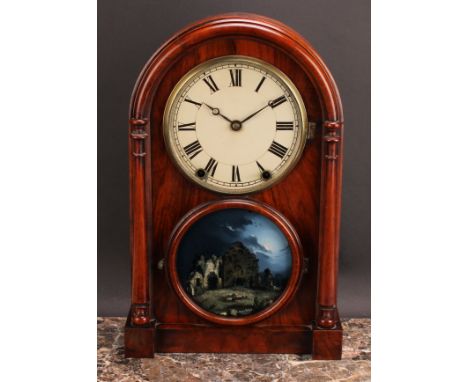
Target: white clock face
[235, 125]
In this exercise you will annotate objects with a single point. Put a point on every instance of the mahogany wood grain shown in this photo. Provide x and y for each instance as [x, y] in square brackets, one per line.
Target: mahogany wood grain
[173, 338]
[139, 340]
[140, 312]
[327, 343]
[309, 197]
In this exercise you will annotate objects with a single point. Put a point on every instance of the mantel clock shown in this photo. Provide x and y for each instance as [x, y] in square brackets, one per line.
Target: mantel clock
[235, 148]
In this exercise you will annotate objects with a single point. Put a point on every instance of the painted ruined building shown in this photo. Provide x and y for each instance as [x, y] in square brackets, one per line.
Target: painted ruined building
[238, 267]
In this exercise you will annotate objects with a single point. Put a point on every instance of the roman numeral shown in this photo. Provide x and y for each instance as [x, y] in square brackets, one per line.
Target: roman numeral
[186, 126]
[236, 77]
[193, 149]
[284, 125]
[190, 101]
[235, 174]
[278, 101]
[260, 166]
[211, 166]
[260, 84]
[278, 149]
[211, 84]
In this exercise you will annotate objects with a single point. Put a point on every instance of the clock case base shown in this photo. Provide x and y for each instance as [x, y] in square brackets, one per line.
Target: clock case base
[322, 344]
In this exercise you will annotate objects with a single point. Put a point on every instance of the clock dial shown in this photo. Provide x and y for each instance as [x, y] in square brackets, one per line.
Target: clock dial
[235, 125]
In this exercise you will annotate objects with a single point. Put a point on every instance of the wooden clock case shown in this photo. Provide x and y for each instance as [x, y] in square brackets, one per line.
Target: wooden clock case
[309, 197]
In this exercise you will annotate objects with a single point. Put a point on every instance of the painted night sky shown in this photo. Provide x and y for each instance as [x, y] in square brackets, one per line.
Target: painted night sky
[215, 233]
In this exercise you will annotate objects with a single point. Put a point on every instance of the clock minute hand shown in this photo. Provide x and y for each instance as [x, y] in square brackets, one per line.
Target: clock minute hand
[216, 111]
[271, 103]
[254, 114]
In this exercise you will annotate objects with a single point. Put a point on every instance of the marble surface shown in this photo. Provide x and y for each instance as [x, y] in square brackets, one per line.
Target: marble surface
[112, 366]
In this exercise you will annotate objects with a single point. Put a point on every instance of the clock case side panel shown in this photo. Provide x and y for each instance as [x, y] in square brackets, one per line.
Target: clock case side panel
[248, 35]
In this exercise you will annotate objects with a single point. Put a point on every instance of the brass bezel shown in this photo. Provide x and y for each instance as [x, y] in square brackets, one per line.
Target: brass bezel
[236, 59]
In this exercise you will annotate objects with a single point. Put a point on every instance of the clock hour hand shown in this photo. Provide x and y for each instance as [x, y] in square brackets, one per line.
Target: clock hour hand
[216, 111]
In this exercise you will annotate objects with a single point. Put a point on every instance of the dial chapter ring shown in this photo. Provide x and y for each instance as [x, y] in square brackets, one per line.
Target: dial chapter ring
[175, 148]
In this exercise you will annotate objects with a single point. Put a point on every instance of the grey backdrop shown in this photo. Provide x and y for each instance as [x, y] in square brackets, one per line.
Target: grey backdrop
[129, 31]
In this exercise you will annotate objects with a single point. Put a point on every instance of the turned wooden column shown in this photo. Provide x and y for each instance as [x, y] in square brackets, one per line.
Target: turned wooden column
[327, 316]
[139, 312]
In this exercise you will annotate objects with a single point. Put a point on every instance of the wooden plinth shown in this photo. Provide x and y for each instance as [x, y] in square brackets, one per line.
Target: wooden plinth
[139, 340]
[327, 343]
[143, 342]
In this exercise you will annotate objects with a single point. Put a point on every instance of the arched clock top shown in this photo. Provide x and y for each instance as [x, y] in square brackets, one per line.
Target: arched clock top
[238, 25]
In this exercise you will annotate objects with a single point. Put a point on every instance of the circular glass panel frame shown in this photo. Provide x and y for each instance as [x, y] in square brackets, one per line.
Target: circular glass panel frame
[194, 216]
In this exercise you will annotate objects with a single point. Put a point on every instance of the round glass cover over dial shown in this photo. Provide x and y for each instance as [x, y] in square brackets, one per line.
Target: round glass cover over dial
[235, 124]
